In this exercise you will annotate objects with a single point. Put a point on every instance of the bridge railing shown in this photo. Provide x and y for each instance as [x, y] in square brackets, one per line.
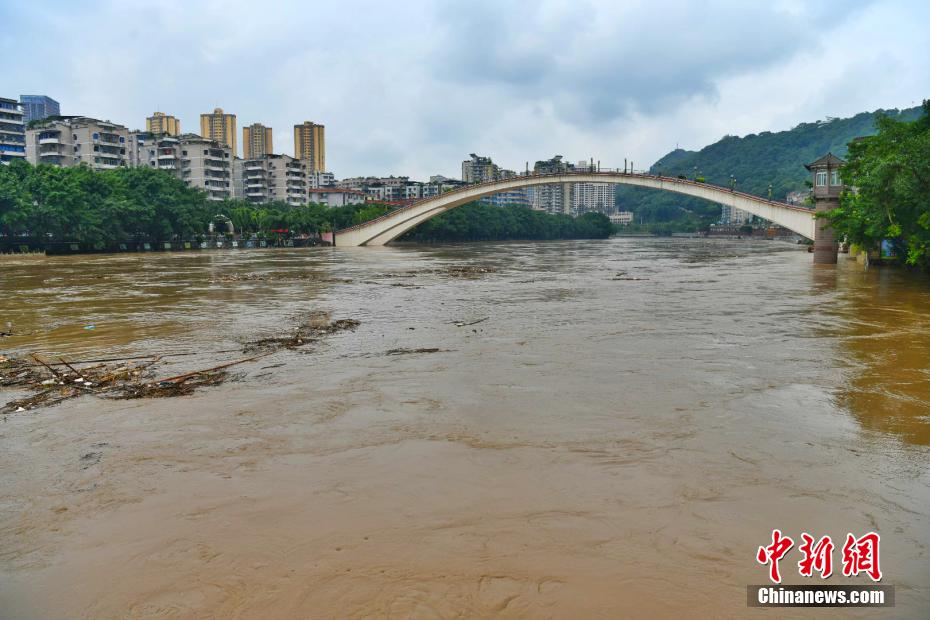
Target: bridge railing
[612, 172]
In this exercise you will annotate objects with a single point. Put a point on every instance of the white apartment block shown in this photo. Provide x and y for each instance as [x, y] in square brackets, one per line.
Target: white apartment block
[201, 163]
[734, 216]
[275, 178]
[586, 197]
[74, 140]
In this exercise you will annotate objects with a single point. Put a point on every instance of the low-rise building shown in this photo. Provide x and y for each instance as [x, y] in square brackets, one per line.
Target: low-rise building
[621, 218]
[72, 140]
[335, 197]
[321, 179]
[12, 131]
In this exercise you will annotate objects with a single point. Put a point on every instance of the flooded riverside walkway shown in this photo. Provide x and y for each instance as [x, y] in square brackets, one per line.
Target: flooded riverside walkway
[591, 429]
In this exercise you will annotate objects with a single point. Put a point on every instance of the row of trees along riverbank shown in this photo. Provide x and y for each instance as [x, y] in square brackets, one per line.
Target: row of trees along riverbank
[84, 206]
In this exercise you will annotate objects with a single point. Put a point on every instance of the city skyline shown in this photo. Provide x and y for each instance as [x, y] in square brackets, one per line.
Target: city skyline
[496, 80]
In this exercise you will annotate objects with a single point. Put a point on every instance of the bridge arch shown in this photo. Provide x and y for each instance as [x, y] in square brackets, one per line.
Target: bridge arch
[390, 226]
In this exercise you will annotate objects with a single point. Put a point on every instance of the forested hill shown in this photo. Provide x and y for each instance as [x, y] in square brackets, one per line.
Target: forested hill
[755, 161]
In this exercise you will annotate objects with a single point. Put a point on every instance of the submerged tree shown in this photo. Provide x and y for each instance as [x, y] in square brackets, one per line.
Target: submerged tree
[890, 172]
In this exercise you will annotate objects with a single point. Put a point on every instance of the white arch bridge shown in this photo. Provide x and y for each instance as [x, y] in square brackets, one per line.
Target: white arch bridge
[391, 225]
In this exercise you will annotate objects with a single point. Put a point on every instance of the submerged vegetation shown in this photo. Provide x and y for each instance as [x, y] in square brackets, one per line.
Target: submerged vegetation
[890, 174]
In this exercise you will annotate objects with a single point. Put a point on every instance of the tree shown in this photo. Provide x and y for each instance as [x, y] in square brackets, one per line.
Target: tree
[890, 174]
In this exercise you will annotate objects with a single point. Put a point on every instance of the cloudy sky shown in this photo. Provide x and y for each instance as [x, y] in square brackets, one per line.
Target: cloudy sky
[413, 87]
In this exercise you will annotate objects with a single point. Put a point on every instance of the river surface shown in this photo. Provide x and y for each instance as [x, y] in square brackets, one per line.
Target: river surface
[617, 439]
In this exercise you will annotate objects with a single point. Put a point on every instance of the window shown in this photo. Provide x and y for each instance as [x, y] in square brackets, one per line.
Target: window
[835, 178]
[96, 136]
[821, 179]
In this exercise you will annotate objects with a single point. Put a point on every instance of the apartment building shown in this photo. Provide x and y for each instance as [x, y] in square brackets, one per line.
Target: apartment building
[310, 145]
[201, 163]
[220, 127]
[274, 177]
[587, 197]
[12, 131]
[479, 169]
[72, 140]
[161, 123]
[38, 107]
[256, 141]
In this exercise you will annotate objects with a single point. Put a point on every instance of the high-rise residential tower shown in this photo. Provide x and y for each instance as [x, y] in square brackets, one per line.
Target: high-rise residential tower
[256, 141]
[37, 107]
[220, 127]
[160, 123]
[310, 145]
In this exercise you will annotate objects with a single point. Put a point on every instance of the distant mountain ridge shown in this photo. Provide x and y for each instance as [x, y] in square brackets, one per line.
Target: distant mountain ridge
[755, 160]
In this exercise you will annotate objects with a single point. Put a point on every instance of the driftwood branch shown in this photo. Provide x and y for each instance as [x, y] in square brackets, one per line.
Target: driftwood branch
[188, 375]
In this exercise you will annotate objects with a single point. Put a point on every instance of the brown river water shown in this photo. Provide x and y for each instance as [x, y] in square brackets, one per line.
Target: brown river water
[617, 439]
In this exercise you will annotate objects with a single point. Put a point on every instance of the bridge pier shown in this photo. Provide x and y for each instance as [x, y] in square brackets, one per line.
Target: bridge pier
[828, 186]
[825, 245]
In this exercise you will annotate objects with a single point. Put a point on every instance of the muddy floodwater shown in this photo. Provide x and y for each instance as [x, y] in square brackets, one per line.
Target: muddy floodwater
[523, 430]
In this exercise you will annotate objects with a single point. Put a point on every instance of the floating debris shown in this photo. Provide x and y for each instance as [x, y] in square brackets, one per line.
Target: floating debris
[411, 351]
[289, 276]
[131, 378]
[451, 272]
[464, 324]
[317, 325]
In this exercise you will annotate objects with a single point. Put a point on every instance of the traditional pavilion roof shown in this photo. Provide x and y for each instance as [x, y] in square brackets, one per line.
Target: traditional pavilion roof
[827, 161]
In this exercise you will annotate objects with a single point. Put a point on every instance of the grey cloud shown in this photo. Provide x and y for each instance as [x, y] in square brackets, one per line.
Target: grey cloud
[598, 62]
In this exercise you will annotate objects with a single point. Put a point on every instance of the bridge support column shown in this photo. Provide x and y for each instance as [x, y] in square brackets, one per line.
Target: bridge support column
[825, 245]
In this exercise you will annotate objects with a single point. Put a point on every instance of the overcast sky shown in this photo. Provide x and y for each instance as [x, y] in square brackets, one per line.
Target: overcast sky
[413, 87]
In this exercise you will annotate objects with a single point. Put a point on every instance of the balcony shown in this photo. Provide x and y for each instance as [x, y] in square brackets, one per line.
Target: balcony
[254, 167]
[50, 140]
[51, 158]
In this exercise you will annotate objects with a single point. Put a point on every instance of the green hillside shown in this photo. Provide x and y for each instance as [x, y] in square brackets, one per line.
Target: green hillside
[755, 161]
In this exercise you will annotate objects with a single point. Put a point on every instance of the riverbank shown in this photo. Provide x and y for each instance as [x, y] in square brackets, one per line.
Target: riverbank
[564, 429]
